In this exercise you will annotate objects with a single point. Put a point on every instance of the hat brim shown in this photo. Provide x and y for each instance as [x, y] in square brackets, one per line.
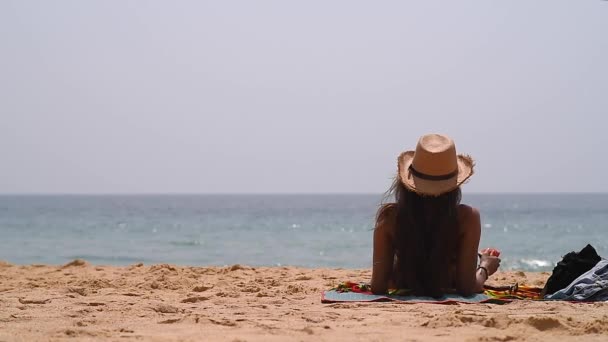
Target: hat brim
[433, 187]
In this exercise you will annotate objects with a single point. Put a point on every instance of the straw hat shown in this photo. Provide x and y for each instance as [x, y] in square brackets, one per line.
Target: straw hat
[434, 168]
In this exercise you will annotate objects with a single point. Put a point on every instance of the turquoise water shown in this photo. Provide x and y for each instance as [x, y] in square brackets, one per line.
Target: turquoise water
[533, 231]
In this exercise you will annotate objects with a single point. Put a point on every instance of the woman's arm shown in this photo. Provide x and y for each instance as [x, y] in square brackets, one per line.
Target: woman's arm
[470, 278]
[384, 252]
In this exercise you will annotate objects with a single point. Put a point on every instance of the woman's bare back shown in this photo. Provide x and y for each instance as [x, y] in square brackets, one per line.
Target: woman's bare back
[462, 269]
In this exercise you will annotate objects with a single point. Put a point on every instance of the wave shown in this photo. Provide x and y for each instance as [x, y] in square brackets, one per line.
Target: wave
[536, 263]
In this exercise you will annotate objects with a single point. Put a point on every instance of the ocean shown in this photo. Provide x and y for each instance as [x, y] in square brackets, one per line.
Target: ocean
[533, 231]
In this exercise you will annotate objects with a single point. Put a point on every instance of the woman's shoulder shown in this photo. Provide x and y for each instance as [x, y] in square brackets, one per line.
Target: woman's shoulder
[386, 218]
[387, 211]
[466, 211]
[469, 218]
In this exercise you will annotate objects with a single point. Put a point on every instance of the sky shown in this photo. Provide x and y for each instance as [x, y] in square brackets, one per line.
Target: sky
[299, 96]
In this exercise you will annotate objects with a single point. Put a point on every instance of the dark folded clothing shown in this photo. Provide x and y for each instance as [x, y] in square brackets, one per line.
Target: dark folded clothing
[571, 267]
[591, 286]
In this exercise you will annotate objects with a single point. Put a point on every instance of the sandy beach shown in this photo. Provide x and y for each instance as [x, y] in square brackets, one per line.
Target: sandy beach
[80, 301]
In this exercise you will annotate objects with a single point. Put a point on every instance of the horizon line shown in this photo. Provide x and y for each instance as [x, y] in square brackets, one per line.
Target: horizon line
[282, 193]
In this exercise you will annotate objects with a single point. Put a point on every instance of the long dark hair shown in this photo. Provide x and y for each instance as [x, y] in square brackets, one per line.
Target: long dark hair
[426, 238]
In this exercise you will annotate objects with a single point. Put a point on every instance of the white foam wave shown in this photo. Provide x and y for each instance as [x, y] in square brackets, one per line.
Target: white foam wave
[536, 263]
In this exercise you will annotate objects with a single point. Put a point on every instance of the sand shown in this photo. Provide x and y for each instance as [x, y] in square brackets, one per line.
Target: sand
[79, 301]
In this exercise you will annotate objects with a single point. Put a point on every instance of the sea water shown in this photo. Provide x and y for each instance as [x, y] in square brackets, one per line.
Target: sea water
[533, 231]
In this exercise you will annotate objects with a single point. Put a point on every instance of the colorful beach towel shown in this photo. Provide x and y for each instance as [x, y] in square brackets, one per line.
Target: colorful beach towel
[361, 292]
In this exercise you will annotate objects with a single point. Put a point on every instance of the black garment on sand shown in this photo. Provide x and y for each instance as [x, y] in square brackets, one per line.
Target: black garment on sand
[571, 267]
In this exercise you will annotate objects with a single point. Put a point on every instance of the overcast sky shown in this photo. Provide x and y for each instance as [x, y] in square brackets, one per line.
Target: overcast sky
[299, 96]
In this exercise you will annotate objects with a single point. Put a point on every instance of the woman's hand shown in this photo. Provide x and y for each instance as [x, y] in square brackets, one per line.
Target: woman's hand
[491, 251]
[490, 260]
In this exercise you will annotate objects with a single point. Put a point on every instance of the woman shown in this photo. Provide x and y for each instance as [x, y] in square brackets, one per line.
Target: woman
[427, 241]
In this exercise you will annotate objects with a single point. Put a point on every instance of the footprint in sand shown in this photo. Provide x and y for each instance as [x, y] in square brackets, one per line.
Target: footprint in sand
[293, 289]
[202, 288]
[164, 308]
[79, 290]
[544, 323]
[94, 304]
[308, 330]
[34, 301]
[223, 321]
[170, 321]
[194, 299]
[312, 319]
